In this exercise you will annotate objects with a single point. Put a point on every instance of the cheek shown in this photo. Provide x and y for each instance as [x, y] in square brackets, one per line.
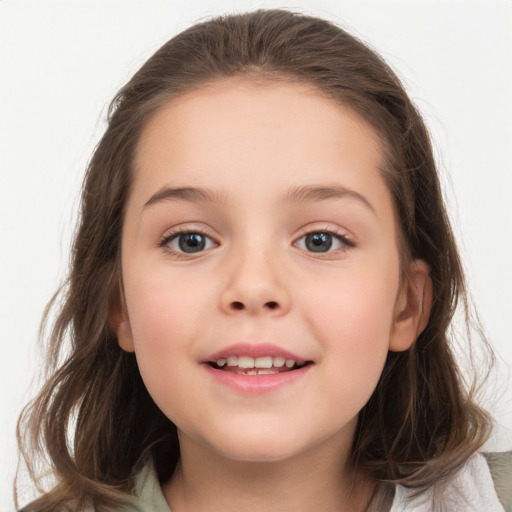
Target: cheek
[162, 309]
[353, 317]
[165, 321]
[155, 316]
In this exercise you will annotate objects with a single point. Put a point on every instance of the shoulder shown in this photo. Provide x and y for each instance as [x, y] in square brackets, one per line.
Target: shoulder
[500, 466]
[471, 490]
[147, 494]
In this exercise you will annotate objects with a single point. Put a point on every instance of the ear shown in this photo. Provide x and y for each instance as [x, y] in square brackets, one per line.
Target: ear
[412, 307]
[119, 321]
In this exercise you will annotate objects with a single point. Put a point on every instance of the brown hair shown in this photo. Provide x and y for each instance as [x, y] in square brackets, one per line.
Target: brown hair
[94, 418]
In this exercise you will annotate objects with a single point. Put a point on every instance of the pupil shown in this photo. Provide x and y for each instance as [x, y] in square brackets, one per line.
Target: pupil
[318, 242]
[192, 242]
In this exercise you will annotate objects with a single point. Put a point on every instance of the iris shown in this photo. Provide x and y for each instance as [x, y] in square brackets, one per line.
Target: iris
[191, 242]
[318, 242]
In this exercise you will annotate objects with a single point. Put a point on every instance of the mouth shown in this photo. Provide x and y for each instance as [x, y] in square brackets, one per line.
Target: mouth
[263, 365]
[256, 368]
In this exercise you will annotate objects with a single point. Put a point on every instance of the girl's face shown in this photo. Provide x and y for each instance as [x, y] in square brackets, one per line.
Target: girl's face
[259, 231]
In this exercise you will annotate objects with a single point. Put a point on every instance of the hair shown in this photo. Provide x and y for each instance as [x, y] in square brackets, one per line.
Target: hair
[94, 420]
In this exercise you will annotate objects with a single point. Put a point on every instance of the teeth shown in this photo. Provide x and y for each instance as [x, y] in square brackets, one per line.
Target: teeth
[258, 371]
[265, 362]
[232, 361]
[268, 371]
[245, 362]
[279, 362]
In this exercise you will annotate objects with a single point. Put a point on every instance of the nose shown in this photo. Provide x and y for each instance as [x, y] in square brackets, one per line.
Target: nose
[255, 286]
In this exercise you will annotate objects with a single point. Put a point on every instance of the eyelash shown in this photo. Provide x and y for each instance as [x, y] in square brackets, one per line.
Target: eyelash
[170, 237]
[346, 242]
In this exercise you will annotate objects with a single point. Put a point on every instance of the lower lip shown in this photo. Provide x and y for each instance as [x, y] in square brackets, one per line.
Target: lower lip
[257, 384]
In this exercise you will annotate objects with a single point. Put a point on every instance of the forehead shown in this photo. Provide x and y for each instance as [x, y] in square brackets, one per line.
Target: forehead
[272, 133]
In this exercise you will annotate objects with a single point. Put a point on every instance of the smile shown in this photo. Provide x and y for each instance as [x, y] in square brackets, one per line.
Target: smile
[250, 368]
[263, 365]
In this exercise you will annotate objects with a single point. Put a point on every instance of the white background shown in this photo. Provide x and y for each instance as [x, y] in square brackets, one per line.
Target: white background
[61, 63]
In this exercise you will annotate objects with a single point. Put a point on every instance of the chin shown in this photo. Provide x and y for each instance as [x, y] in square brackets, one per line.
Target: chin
[259, 438]
[257, 445]
[254, 453]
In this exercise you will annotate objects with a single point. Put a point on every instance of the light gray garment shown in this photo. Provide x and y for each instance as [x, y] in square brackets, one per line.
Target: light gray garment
[472, 490]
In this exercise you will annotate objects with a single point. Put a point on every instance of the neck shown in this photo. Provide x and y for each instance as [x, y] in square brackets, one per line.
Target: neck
[317, 479]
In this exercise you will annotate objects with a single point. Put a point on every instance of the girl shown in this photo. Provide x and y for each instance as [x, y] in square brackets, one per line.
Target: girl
[261, 286]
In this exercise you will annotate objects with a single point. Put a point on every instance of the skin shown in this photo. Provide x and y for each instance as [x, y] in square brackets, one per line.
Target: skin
[256, 281]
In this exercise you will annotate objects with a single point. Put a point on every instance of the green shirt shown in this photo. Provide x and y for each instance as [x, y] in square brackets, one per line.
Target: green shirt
[147, 495]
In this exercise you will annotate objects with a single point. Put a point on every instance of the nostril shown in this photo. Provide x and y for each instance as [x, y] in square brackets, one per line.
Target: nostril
[240, 306]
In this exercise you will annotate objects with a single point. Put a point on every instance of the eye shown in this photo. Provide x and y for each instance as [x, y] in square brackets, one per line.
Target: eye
[188, 242]
[322, 241]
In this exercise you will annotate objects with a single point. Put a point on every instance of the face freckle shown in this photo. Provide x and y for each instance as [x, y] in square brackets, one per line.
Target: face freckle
[259, 226]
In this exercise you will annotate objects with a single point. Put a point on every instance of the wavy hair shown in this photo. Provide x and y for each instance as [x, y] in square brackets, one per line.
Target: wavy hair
[94, 421]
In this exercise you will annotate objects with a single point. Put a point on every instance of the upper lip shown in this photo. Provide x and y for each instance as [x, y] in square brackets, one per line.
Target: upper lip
[254, 350]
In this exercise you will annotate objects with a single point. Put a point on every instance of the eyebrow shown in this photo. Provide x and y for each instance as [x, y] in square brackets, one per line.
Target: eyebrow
[192, 194]
[297, 194]
[306, 193]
